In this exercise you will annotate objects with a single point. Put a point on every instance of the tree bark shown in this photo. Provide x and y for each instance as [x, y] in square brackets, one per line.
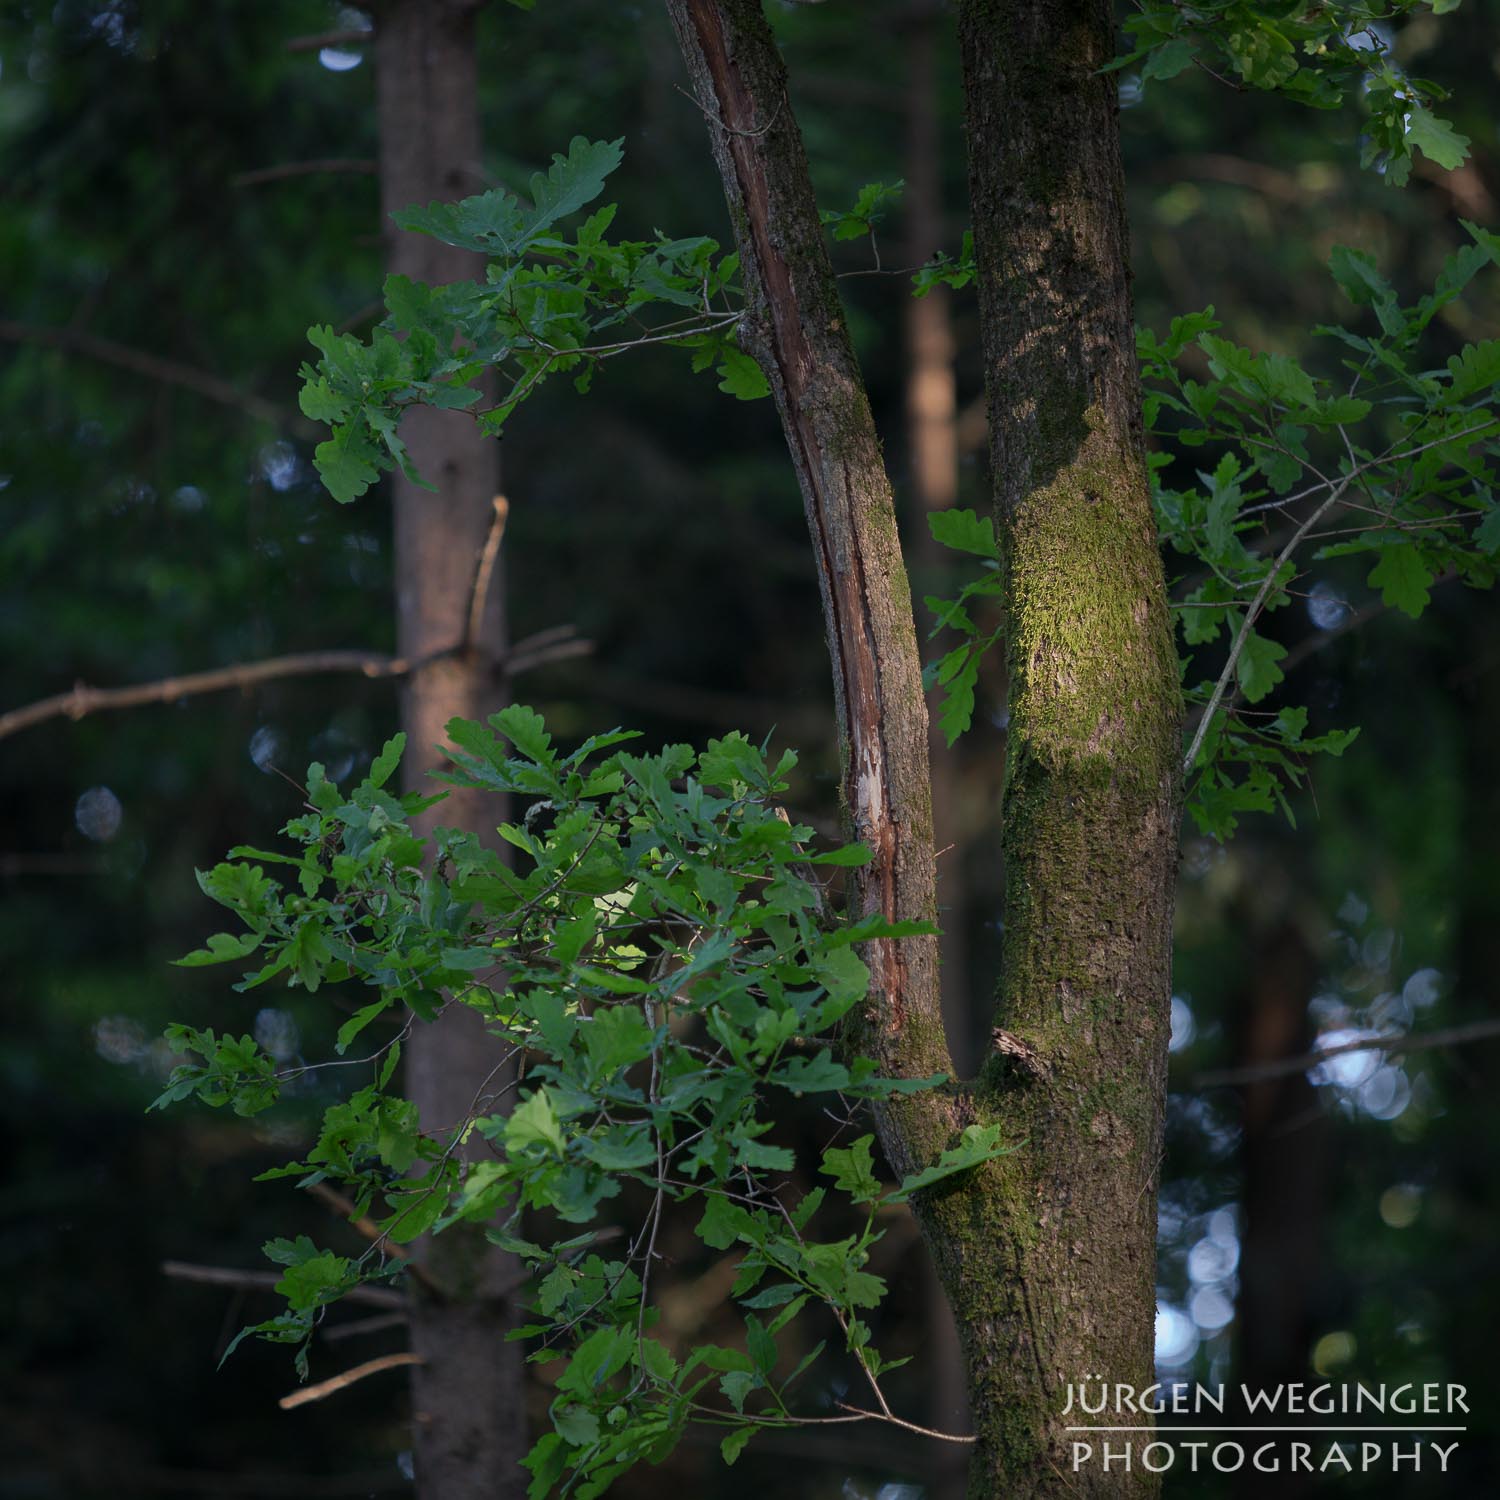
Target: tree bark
[1047, 1255]
[1284, 1159]
[932, 479]
[932, 463]
[469, 1430]
[1092, 781]
[795, 327]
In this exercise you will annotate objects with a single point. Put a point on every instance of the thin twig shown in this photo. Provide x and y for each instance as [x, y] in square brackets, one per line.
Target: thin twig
[169, 371]
[382, 1239]
[179, 1270]
[773, 1420]
[341, 1382]
[364, 166]
[1452, 1036]
[718, 119]
[484, 571]
[895, 1421]
[1373, 463]
[1251, 615]
[518, 661]
[350, 36]
[83, 699]
[345, 1207]
[376, 1324]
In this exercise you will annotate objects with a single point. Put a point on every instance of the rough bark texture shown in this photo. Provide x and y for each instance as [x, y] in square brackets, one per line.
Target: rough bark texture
[1048, 1255]
[796, 329]
[468, 1407]
[1091, 796]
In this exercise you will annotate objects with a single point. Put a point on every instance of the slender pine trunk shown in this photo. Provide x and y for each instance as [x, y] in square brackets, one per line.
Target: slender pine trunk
[468, 1417]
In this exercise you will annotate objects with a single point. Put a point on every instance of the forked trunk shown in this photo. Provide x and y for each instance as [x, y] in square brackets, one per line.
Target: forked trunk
[1048, 1255]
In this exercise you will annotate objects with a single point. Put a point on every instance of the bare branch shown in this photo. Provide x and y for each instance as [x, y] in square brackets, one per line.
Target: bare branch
[82, 699]
[169, 371]
[1251, 616]
[351, 36]
[376, 1324]
[179, 1270]
[534, 651]
[328, 1387]
[523, 658]
[1453, 1036]
[484, 572]
[363, 166]
[345, 1209]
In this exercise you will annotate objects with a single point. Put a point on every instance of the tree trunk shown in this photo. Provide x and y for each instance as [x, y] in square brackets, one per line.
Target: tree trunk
[932, 462]
[932, 470]
[1092, 774]
[1284, 1160]
[469, 1429]
[795, 327]
[1047, 1255]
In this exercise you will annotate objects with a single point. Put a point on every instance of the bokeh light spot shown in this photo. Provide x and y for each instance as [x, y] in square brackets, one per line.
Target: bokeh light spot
[97, 814]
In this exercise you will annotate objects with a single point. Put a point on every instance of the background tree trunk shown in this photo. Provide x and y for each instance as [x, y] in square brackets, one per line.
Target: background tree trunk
[468, 1396]
[1284, 1162]
[1092, 774]
[932, 478]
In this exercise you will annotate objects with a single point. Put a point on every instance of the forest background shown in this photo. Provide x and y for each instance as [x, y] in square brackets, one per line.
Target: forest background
[165, 250]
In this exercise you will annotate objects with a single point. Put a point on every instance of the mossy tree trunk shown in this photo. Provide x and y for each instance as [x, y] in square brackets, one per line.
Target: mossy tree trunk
[1092, 779]
[468, 1407]
[1048, 1255]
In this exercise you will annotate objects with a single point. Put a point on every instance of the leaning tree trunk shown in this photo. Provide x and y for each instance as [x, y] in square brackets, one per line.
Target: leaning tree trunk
[795, 327]
[468, 1418]
[1048, 1254]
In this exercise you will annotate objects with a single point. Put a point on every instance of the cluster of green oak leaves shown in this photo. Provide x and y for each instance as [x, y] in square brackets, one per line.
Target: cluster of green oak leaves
[656, 952]
[1388, 458]
[654, 957]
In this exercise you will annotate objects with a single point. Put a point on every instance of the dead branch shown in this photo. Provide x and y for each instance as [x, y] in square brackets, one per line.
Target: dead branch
[557, 644]
[179, 1270]
[363, 166]
[484, 572]
[376, 1324]
[328, 1387]
[1452, 1036]
[351, 36]
[153, 366]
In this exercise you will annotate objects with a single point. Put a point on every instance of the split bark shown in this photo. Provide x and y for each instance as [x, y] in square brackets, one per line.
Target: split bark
[1048, 1255]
